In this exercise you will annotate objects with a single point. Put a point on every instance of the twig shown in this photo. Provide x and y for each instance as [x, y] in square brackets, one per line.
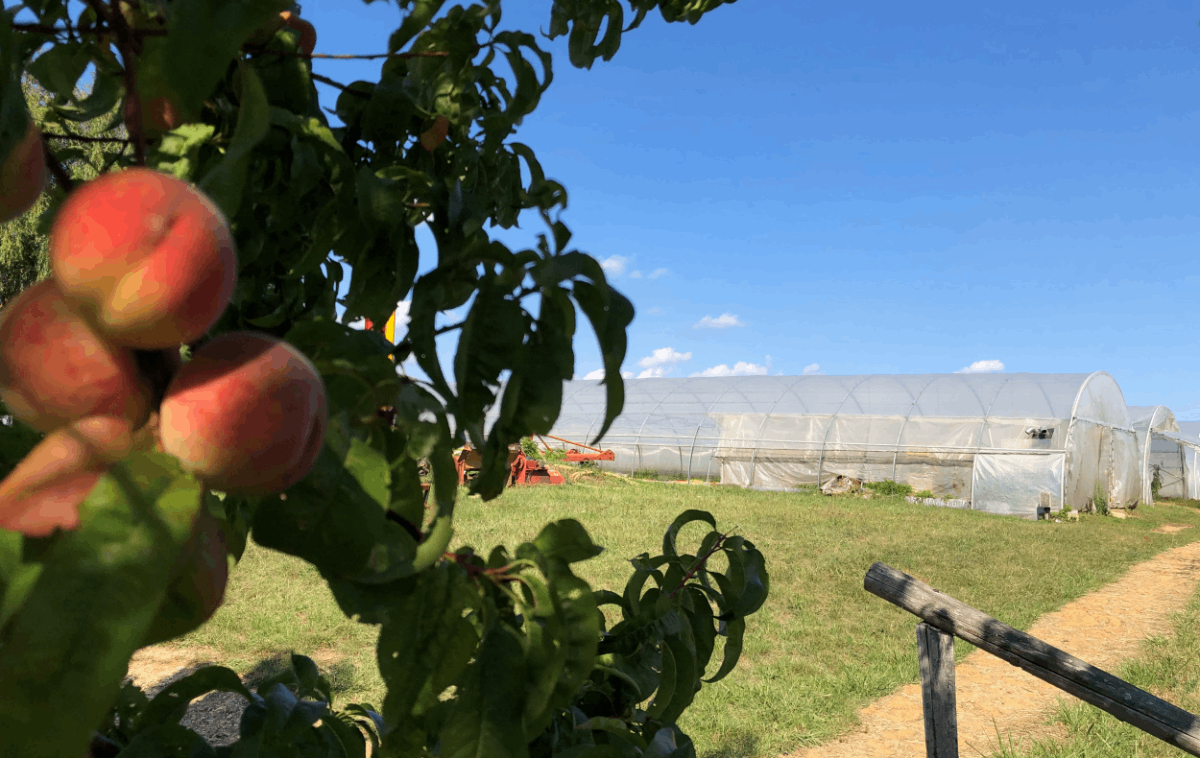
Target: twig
[449, 328]
[700, 563]
[339, 85]
[56, 169]
[97, 30]
[125, 45]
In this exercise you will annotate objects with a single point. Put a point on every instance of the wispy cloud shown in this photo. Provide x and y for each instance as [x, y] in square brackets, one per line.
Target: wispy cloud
[741, 368]
[614, 265]
[811, 369]
[658, 272]
[653, 311]
[661, 362]
[635, 274]
[724, 321]
[982, 367]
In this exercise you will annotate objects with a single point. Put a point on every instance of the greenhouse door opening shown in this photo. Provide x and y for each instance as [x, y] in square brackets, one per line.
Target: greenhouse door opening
[1017, 485]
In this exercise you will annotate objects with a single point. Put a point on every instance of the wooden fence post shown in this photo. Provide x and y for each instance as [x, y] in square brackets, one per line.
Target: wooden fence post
[935, 649]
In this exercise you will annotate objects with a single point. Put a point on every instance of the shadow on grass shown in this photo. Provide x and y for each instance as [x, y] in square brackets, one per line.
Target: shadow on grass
[734, 746]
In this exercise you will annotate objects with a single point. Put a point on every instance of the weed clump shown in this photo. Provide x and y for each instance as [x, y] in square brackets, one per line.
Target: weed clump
[888, 487]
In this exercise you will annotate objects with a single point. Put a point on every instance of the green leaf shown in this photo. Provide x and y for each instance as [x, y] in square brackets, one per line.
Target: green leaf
[734, 631]
[224, 184]
[97, 595]
[168, 741]
[59, 68]
[485, 716]
[566, 540]
[192, 64]
[328, 519]
[424, 644]
[610, 314]
[170, 704]
[681, 521]
[420, 13]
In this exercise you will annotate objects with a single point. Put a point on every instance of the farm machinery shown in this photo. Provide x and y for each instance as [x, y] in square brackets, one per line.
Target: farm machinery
[524, 469]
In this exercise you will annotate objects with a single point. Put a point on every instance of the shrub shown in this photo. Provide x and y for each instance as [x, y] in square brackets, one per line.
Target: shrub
[888, 487]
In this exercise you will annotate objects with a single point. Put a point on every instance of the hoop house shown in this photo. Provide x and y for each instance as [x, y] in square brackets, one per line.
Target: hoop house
[1189, 431]
[1007, 442]
[1159, 452]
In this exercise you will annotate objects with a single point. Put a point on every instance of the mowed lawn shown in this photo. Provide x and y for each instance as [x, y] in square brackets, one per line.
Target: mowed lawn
[821, 648]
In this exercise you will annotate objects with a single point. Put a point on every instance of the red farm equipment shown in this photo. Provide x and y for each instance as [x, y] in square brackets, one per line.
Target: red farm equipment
[522, 469]
[575, 456]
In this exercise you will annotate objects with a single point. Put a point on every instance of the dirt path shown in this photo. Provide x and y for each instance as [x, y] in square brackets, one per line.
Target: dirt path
[1103, 628]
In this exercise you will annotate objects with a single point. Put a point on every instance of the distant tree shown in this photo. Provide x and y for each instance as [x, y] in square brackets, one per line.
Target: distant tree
[23, 241]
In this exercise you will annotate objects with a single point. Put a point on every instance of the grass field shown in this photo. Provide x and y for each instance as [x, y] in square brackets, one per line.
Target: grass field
[821, 648]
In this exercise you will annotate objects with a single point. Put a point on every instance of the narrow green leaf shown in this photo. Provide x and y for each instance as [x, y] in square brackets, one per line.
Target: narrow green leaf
[734, 631]
[224, 184]
[681, 521]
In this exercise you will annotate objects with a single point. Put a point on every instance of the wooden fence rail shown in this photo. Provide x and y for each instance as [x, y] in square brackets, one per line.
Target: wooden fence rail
[945, 617]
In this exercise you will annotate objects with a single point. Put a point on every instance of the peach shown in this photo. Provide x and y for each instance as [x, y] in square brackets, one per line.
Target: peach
[55, 368]
[247, 414]
[44, 491]
[308, 32]
[159, 115]
[22, 175]
[146, 257]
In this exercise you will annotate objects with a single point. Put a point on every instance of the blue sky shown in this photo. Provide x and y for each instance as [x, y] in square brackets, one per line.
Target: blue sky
[875, 187]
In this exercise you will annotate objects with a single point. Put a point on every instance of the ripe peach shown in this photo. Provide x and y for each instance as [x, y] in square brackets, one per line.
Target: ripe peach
[55, 368]
[45, 489]
[308, 32]
[147, 257]
[159, 115]
[246, 414]
[22, 175]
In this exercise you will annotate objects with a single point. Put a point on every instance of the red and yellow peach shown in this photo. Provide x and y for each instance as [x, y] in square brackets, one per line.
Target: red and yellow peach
[146, 257]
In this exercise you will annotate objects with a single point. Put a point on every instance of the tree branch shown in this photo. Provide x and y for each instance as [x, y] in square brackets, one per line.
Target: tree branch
[97, 30]
[700, 563]
[127, 48]
[56, 169]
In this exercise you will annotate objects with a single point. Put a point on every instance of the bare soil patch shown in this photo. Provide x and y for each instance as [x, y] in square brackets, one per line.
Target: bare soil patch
[1103, 628]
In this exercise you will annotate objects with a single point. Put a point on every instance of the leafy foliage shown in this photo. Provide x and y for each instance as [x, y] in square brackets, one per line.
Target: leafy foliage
[504, 655]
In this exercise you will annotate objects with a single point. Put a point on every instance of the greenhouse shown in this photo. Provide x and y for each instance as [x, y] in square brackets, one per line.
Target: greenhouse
[1161, 452]
[1190, 432]
[1007, 443]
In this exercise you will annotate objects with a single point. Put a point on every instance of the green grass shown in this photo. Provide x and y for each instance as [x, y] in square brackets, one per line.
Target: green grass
[821, 648]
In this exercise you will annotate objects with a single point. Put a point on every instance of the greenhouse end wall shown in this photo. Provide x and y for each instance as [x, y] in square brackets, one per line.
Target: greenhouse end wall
[1044, 439]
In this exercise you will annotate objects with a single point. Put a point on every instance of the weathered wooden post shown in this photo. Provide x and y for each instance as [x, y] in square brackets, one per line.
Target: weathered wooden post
[935, 649]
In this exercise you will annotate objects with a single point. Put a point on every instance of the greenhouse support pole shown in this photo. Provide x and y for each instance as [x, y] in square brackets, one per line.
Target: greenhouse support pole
[763, 425]
[904, 423]
[833, 418]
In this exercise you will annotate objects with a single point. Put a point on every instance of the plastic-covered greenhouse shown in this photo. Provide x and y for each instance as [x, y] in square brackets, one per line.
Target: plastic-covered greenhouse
[1161, 451]
[1008, 443]
[1190, 431]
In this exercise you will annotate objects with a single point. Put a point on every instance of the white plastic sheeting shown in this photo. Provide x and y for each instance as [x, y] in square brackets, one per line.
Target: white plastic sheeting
[778, 432]
[1156, 453]
[1190, 431]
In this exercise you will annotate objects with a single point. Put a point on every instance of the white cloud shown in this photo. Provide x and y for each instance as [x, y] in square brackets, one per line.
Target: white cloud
[661, 362]
[658, 272]
[811, 369]
[654, 311]
[982, 367]
[741, 368]
[724, 321]
[402, 318]
[614, 265]
[599, 374]
[635, 274]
